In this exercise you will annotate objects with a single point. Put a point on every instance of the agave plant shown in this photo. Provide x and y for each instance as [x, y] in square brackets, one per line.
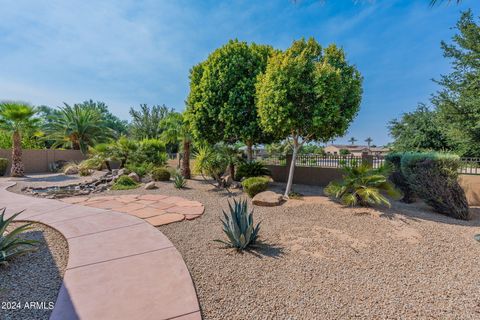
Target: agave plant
[10, 244]
[238, 226]
[364, 186]
[179, 181]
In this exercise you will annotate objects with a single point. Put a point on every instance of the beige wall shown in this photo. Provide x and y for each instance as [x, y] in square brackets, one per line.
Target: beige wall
[36, 161]
[471, 185]
[323, 176]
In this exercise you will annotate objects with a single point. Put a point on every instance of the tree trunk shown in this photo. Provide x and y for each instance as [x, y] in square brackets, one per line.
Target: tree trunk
[185, 168]
[296, 147]
[249, 151]
[17, 165]
[231, 169]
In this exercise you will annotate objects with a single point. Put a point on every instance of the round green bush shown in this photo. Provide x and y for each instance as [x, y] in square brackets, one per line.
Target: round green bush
[160, 174]
[255, 185]
[3, 166]
[124, 183]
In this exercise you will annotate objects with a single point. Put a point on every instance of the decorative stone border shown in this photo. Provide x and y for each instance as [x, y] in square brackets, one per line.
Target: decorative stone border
[119, 266]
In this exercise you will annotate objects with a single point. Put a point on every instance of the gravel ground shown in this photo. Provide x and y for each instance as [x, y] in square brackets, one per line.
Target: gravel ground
[320, 260]
[34, 278]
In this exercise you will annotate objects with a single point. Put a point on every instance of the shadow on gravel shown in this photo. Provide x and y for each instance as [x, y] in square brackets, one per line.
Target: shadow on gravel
[418, 211]
[266, 250]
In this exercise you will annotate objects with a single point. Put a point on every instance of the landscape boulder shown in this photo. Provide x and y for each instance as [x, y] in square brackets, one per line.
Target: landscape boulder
[134, 177]
[267, 199]
[151, 185]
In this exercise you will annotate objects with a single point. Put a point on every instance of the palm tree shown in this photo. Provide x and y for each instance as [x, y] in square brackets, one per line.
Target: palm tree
[175, 129]
[16, 117]
[352, 140]
[78, 127]
[369, 141]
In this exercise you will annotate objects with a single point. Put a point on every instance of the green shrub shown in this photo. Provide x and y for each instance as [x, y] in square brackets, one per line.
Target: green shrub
[3, 166]
[255, 185]
[141, 169]
[397, 177]
[150, 151]
[83, 171]
[238, 226]
[362, 185]
[433, 177]
[179, 181]
[209, 161]
[124, 183]
[160, 174]
[251, 169]
[10, 244]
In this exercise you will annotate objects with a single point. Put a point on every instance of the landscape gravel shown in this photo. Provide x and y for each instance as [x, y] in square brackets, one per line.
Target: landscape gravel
[321, 260]
[29, 284]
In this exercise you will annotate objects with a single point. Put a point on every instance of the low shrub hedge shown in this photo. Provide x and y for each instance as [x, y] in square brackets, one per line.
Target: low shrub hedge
[125, 183]
[160, 174]
[433, 177]
[250, 169]
[255, 185]
[396, 176]
[3, 166]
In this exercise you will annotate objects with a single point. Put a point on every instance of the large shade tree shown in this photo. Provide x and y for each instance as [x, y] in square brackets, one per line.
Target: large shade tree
[78, 127]
[145, 121]
[418, 130]
[458, 101]
[308, 94]
[221, 103]
[175, 129]
[17, 117]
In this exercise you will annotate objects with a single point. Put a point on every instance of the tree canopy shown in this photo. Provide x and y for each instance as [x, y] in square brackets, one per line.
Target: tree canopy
[419, 130]
[308, 94]
[145, 121]
[221, 103]
[458, 102]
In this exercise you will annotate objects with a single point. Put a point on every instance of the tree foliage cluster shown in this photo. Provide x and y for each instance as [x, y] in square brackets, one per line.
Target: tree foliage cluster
[453, 120]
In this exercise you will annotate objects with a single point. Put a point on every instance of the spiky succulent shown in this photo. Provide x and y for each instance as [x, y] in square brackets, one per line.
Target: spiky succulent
[238, 226]
[179, 181]
[10, 244]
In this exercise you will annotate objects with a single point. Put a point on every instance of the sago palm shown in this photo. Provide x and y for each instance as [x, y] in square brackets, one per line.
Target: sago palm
[364, 186]
[78, 127]
[16, 117]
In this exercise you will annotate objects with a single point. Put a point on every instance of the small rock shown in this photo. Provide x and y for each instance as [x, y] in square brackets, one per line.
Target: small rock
[121, 172]
[115, 172]
[151, 185]
[267, 199]
[134, 176]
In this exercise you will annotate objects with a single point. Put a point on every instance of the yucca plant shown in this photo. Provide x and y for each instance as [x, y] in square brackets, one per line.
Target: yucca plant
[179, 181]
[363, 185]
[10, 244]
[238, 226]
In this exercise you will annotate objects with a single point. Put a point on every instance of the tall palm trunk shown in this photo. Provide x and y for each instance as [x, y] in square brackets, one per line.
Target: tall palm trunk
[185, 168]
[249, 151]
[17, 165]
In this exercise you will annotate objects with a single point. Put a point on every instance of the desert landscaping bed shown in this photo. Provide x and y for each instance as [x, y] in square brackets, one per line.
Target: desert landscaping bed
[30, 283]
[322, 260]
[319, 259]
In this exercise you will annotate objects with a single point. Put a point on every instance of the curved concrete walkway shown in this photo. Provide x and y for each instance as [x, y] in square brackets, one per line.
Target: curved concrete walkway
[119, 266]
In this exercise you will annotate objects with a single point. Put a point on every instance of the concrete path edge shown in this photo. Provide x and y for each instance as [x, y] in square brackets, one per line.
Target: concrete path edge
[119, 266]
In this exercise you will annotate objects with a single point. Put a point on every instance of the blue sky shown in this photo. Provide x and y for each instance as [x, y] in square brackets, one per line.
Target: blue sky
[127, 52]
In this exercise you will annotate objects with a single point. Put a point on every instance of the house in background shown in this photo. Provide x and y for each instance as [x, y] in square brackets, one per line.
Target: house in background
[355, 150]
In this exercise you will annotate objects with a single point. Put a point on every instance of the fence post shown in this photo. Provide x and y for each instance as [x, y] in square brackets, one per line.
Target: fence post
[367, 159]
